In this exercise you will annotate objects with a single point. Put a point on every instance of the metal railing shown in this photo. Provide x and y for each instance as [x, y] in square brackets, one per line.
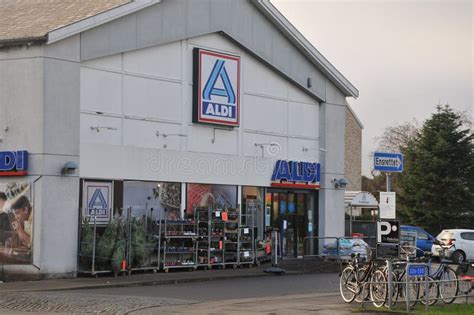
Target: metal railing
[408, 288]
[336, 249]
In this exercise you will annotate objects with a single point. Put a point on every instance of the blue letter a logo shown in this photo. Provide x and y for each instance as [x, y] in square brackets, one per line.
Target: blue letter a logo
[210, 89]
[98, 201]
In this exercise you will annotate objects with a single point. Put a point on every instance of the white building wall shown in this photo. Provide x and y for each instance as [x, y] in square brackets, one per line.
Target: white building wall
[141, 92]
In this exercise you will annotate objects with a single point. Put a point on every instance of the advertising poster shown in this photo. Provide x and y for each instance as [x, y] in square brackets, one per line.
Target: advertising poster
[387, 205]
[216, 196]
[97, 201]
[16, 223]
[151, 199]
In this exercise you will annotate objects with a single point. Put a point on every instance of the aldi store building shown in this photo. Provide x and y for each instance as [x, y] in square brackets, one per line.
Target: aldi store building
[155, 109]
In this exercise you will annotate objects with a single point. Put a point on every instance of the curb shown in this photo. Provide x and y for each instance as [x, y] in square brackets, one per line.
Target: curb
[154, 282]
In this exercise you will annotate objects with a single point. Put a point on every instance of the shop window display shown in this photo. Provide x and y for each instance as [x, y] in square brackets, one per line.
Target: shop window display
[125, 238]
[215, 196]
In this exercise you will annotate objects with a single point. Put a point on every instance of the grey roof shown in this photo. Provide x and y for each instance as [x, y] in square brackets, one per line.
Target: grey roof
[32, 20]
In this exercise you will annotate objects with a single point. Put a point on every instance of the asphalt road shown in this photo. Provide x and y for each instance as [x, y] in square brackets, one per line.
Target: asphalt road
[229, 289]
[295, 294]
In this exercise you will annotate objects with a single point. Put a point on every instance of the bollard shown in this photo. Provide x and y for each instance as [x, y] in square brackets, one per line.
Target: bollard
[275, 269]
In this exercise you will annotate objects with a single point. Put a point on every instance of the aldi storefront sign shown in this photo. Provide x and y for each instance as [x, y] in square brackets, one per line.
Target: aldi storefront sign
[14, 163]
[216, 91]
[296, 174]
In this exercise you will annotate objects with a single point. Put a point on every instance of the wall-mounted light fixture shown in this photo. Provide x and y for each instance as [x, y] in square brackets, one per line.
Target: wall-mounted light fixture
[99, 128]
[271, 145]
[340, 183]
[305, 149]
[69, 168]
[166, 135]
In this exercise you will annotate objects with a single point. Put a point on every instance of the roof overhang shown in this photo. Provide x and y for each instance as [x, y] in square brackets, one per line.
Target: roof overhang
[306, 47]
[99, 19]
[270, 11]
[23, 41]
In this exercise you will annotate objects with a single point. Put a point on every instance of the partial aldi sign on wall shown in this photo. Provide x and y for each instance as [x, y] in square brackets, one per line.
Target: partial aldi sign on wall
[296, 174]
[14, 163]
[216, 90]
[97, 201]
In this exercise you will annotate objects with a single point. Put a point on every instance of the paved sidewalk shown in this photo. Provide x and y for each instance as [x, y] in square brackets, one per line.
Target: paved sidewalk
[141, 279]
[322, 304]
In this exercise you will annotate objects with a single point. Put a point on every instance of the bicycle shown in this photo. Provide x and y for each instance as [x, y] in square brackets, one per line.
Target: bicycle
[416, 289]
[446, 277]
[354, 279]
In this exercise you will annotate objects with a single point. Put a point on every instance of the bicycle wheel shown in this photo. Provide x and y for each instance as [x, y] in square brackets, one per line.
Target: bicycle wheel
[362, 292]
[395, 293]
[448, 285]
[378, 288]
[433, 291]
[348, 284]
[413, 290]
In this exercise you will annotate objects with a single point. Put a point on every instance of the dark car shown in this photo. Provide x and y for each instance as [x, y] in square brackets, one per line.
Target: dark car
[424, 240]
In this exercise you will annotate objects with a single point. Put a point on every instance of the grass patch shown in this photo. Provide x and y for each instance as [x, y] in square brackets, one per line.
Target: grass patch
[458, 309]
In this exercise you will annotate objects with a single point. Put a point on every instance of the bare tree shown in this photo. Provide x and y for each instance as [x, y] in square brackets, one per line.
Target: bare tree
[396, 138]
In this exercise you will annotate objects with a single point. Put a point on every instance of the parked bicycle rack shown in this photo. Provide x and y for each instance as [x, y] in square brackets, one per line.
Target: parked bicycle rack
[414, 285]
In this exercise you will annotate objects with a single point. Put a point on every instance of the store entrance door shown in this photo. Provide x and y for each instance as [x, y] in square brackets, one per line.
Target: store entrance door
[291, 212]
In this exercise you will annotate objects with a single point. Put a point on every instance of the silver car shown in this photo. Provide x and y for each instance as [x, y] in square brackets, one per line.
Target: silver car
[457, 245]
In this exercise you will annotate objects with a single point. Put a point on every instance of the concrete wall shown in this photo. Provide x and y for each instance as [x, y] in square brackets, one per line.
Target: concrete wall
[174, 20]
[353, 156]
[39, 102]
[141, 92]
[332, 129]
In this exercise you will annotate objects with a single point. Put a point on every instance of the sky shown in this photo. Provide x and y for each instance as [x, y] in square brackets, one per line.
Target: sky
[404, 56]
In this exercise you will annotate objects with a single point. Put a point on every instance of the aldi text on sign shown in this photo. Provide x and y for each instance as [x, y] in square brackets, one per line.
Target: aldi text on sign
[388, 162]
[296, 174]
[216, 91]
[14, 163]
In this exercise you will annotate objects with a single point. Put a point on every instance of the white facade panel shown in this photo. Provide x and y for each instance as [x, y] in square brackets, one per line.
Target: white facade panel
[101, 129]
[101, 91]
[151, 98]
[113, 62]
[212, 140]
[138, 133]
[162, 61]
[302, 118]
[303, 150]
[261, 80]
[275, 147]
[265, 114]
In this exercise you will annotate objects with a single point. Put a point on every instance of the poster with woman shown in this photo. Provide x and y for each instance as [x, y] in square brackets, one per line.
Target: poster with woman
[16, 223]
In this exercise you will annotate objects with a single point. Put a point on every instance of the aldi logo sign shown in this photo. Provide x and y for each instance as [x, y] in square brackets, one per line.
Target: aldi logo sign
[216, 91]
[14, 163]
[296, 174]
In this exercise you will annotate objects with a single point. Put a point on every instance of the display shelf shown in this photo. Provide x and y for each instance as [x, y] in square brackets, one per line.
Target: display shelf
[179, 244]
[247, 241]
